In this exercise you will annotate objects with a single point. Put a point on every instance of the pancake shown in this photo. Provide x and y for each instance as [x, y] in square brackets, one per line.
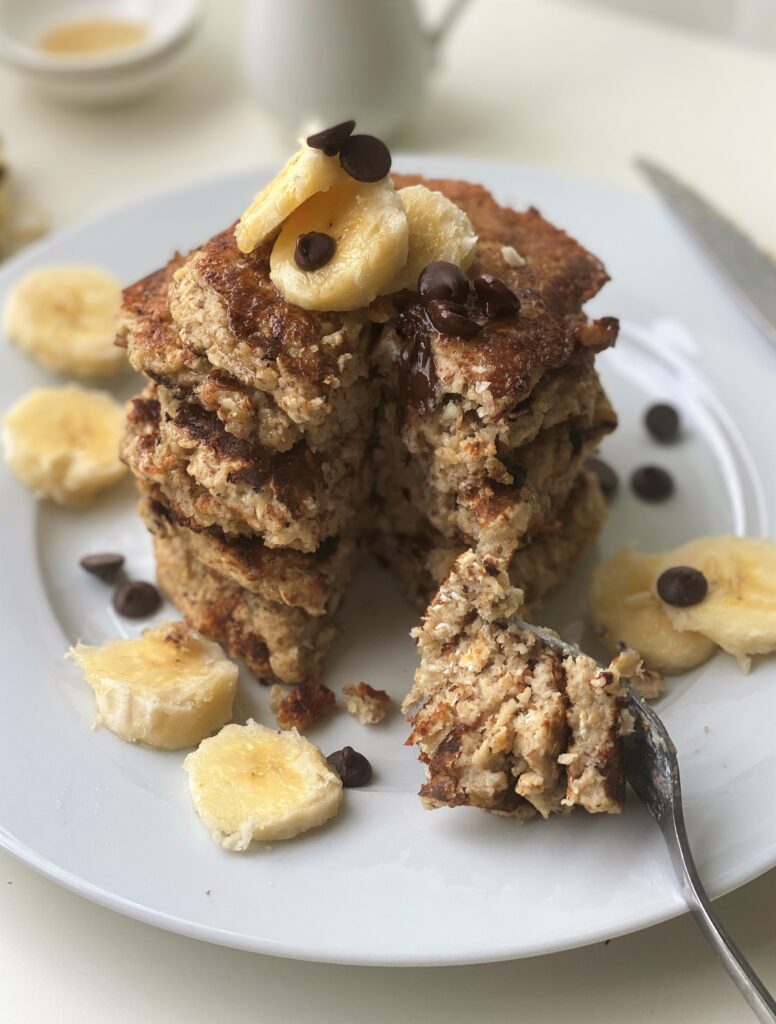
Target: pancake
[277, 643]
[155, 348]
[290, 499]
[422, 558]
[227, 309]
[313, 582]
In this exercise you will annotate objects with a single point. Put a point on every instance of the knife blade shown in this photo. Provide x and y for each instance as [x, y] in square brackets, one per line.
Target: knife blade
[749, 273]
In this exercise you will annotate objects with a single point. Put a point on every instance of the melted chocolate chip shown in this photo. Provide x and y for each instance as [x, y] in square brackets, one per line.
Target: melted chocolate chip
[313, 250]
[662, 421]
[330, 140]
[652, 483]
[443, 280]
[496, 298]
[365, 158]
[136, 599]
[516, 470]
[107, 566]
[682, 586]
[451, 318]
[608, 480]
[352, 767]
[417, 372]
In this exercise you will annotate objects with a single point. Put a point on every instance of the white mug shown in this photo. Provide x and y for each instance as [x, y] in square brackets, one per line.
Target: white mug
[314, 63]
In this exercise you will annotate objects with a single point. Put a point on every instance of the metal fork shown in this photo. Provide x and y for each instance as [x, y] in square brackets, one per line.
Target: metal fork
[652, 768]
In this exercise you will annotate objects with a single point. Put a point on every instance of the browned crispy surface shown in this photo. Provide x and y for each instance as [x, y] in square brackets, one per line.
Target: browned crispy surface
[313, 581]
[305, 705]
[228, 310]
[293, 475]
[146, 328]
[292, 499]
[559, 275]
[156, 348]
[275, 641]
[259, 315]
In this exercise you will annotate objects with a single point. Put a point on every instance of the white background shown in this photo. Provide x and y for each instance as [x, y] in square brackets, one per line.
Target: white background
[565, 85]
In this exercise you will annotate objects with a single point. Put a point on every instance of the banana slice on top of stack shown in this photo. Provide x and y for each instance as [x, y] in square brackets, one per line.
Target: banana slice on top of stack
[346, 235]
[677, 608]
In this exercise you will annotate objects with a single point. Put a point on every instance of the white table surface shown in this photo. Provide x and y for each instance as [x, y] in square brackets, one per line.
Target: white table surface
[560, 84]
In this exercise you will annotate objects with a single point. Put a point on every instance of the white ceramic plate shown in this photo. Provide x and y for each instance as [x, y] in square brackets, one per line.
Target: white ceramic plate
[390, 883]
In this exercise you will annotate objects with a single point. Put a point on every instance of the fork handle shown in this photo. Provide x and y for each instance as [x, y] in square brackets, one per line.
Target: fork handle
[735, 963]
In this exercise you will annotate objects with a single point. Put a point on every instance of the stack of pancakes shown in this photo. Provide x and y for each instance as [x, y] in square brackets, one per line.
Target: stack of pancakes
[249, 447]
[271, 439]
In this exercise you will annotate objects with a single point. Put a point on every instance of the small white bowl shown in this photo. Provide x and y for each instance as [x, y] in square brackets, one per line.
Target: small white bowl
[98, 78]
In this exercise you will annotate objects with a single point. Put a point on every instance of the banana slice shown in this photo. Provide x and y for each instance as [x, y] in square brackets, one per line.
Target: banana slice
[624, 609]
[439, 230]
[739, 610]
[65, 318]
[250, 782]
[63, 442]
[169, 688]
[307, 172]
[369, 226]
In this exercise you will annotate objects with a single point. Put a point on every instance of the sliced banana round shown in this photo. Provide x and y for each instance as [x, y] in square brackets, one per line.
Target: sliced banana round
[624, 609]
[168, 688]
[250, 782]
[369, 227]
[438, 230]
[64, 442]
[739, 609]
[66, 318]
[307, 172]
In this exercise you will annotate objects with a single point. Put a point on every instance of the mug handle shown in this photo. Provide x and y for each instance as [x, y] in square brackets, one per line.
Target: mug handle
[437, 34]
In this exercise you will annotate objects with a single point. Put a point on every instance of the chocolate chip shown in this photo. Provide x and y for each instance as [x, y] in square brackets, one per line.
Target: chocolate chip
[652, 483]
[516, 470]
[451, 318]
[576, 439]
[496, 298]
[443, 280]
[330, 140]
[136, 599]
[107, 566]
[352, 767]
[608, 480]
[313, 250]
[682, 586]
[662, 421]
[365, 158]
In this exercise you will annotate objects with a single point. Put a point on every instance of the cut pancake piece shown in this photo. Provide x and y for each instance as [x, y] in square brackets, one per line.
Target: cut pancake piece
[314, 582]
[476, 508]
[501, 722]
[422, 557]
[557, 546]
[276, 642]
